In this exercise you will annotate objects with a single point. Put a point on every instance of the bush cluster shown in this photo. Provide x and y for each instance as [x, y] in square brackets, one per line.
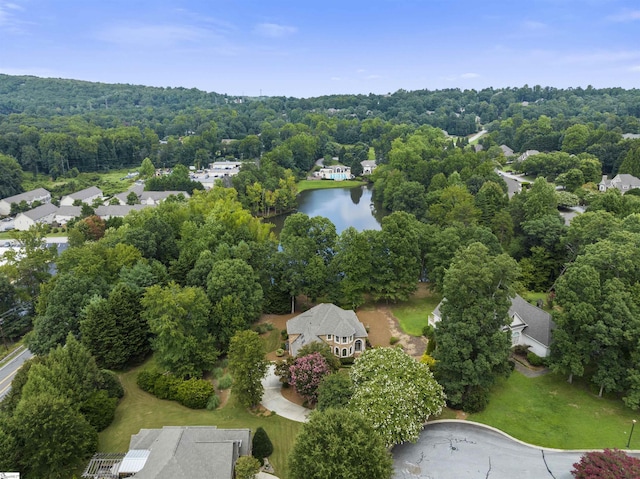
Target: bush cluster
[535, 360]
[192, 393]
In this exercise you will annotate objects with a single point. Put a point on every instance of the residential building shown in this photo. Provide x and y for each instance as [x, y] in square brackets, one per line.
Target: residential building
[506, 151]
[622, 182]
[66, 214]
[86, 196]
[39, 194]
[527, 154]
[136, 188]
[335, 172]
[175, 452]
[44, 214]
[530, 326]
[120, 211]
[368, 166]
[154, 198]
[338, 328]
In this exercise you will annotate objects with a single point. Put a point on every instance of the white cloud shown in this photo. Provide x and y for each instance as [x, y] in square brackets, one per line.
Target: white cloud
[152, 35]
[274, 30]
[469, 75]
[373, 77]
[9, 20]
[625, 16]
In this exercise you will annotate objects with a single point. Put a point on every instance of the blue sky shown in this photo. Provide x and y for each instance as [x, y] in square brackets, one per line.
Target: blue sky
[307, 48]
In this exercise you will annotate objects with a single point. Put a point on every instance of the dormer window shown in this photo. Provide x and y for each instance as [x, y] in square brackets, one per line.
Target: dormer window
[344, 339]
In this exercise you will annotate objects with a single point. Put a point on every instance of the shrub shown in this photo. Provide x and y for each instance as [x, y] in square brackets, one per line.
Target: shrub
[521, 350]
[283, 370]
[279, 352]
[110, 382]
[99, 409]
[428, 332]
[147, 379]
[165, 387]
[535, 360]
[393, 340]
[263, 328]
[217, 373]
[607, 464]
[213, 402]
[284, 335]
[194, 393]
[324, 350]
[428, 360]
[247, 467]
[475, 399]
[225, 382]
[335, 391]
[348, 361]
[261, 446]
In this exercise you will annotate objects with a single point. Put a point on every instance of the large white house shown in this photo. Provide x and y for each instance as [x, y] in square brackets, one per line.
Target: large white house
[335, 172]
[622, 182]
[39, 194]
[530, 326]
[44, 214]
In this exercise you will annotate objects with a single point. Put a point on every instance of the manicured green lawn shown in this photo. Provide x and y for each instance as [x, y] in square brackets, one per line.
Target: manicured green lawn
[413, 314]
[548, 411]
[325, 184]
[139, 409]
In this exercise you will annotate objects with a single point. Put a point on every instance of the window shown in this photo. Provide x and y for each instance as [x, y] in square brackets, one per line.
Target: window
[337, 351]
[329, 337]
[515, 338]
[350, 350]
[358, 345]
[344, 340]
[344, 352]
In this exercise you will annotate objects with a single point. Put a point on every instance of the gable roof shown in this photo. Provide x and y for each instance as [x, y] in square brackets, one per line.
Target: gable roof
[192, 452]
[28, 196]
[506, 151]
[135, 188]
[538, 322]
[70, 211]
[41, 211]
[321, 320]
[161, 195]
[86, 193]
[117, 210]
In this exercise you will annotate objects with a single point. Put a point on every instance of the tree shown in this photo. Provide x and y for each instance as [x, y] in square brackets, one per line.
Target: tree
[247, 467]
[10, 176]
[132, 198]
[261, 446]
[248, 366]
[179, 319]
[335, 391]
[306, 374]
[472, 346]
[607, 464]
[395, 393]
[325, 351]
[147, 170]
[339, 444]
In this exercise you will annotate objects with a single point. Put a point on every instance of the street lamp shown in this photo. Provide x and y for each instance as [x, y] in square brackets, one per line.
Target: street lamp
[631, 433]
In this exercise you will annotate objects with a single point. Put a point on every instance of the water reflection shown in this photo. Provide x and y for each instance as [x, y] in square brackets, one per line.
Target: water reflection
[343, 206]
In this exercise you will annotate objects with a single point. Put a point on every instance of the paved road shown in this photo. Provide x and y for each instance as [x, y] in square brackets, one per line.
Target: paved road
[458, 449]
[9, 370]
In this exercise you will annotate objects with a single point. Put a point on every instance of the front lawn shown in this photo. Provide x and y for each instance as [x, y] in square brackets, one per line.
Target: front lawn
[325, 184]
[139, 409]
[413, 315]
[548, 411]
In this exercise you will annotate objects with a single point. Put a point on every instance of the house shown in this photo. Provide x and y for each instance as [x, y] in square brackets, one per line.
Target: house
[119, 211]
[368, 166]
[86, 196]
[39, 194]
[66, 214]
[527, 154]
[630, 136]
[336, 327]
[506, 151]
[175, 452]
[335, 172]
[154, 198]
[136, 188]
[622, 182]
[44, 214]
[530, 326]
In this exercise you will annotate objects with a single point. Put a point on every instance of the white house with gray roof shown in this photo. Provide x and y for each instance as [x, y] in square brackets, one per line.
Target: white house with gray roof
[530, 326]
[368, 166]
[44, 214]
[154, 198]
[120, 211]
[86, 196]
[622, 182]
[340, 329]
[39, 194]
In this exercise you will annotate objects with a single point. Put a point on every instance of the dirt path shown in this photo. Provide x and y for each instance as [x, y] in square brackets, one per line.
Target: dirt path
[413, 346]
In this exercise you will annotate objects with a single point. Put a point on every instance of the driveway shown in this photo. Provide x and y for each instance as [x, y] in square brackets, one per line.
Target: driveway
[459, 449]
[272, 399]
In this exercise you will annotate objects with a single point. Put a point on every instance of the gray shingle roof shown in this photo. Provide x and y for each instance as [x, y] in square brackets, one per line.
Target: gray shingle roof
[192, 452]
[321, 320]
[28, 196]
[117, 210]
[41, 211]
[539, 322]
[161, 195]
[86, 193]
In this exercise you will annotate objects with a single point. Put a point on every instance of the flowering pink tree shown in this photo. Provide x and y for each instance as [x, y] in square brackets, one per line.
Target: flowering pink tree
[306, 374]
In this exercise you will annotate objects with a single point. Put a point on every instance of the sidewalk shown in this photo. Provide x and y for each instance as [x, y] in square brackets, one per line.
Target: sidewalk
[272, 399]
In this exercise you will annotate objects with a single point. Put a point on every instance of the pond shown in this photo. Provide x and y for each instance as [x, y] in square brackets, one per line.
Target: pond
[343, 206]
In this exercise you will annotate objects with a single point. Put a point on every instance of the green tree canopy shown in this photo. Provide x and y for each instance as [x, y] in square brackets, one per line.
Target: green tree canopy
[248, 366]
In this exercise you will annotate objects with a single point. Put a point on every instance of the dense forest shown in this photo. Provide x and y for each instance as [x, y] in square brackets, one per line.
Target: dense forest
[127, 287]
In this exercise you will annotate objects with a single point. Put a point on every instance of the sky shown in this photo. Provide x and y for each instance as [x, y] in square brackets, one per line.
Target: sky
[306, 48]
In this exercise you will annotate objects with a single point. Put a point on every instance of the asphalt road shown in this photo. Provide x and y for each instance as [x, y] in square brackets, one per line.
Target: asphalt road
[9, 370]
[459, 450]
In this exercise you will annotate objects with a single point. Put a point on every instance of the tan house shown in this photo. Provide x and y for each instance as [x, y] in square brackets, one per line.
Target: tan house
[340, 329]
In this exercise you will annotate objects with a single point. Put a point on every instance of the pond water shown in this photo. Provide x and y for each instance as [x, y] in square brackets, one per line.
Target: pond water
[343, 206]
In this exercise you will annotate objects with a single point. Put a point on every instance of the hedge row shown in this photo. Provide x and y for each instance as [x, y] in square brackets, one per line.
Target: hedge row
[192, 393]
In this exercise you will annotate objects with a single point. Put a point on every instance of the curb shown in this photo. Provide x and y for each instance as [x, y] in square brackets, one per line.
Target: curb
[12, 356]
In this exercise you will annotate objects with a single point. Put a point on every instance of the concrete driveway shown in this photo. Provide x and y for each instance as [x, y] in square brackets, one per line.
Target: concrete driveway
[273, 400]
[459, 449]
